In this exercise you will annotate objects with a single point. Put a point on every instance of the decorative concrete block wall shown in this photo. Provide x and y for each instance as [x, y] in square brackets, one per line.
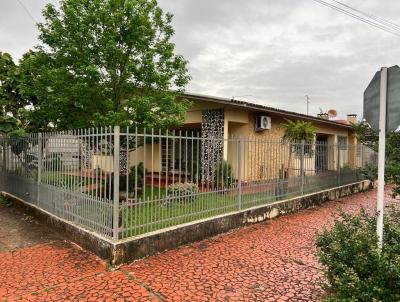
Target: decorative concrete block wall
[212, 146]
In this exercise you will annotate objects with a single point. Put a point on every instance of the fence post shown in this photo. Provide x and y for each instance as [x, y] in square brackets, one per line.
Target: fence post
[40, 159]
[302, 166]
[4, 155]
[116, 182]
[338, 163]
[239, 173]
[4, 162]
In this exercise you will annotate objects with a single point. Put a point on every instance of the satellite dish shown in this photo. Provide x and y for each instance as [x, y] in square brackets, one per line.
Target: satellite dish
[332, 113]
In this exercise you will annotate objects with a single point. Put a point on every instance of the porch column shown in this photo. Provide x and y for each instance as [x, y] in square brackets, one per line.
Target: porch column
[335, 153]
[226, 136]
[352, 150]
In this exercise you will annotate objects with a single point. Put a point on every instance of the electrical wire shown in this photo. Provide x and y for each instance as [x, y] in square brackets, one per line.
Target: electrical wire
[372, 20]
[376, 18]
[373, 23]
[27, 11]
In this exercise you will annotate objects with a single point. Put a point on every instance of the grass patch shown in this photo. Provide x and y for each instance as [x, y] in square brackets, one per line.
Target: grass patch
[157, 211]
[56, 178]
[161, 212]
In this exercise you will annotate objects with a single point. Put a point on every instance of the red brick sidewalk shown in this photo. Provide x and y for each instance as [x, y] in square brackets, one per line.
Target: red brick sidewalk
[273, 261]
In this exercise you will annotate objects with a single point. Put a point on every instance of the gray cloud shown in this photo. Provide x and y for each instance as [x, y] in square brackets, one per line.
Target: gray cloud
[277, 51]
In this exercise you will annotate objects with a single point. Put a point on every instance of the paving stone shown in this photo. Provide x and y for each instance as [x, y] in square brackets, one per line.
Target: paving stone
[32, 269]
[271, 261]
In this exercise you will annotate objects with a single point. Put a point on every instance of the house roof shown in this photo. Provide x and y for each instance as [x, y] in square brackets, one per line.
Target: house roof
[257, 107]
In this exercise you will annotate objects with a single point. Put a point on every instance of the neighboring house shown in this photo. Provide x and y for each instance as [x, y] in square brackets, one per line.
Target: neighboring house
[62, 150]
[371, 100]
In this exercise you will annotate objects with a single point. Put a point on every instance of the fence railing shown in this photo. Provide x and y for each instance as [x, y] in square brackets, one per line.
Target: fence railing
[123, 183]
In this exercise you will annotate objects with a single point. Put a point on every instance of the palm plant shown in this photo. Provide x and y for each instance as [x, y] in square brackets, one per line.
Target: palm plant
[295, 132]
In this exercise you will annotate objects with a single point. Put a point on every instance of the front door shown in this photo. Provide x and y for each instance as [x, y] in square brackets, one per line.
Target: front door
[321, 153]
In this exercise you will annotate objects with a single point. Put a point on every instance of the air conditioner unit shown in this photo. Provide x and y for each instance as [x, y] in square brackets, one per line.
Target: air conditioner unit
[263, 123]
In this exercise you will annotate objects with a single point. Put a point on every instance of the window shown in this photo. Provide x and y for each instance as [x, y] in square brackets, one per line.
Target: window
[308, 149]
[342, 142]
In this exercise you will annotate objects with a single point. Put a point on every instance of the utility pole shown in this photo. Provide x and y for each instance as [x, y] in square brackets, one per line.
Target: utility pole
[381, 156]
[308, 102]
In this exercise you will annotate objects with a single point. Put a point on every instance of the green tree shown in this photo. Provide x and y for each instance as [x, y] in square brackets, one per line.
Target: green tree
[9, 92]
[367, 136]
[393, 161]
[12, 102]
[10, 126]
[106, 62]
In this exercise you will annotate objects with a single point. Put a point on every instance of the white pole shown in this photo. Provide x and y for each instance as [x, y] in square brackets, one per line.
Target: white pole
[381, 156]
[308, 102]
[116, 182]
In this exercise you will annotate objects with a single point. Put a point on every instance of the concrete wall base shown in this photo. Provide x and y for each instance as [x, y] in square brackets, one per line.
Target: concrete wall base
[148, 244]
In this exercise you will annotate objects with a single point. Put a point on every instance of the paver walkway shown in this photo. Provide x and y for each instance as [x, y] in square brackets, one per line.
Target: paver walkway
[272, 261]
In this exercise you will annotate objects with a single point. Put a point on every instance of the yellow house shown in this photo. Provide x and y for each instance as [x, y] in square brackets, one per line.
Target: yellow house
[235, 131]
[239, 119]
[242, 119]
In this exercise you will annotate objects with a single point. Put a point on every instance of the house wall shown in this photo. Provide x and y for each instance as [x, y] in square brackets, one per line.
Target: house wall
[194, 113]
[141, 155]
[260, 158]
[103, 162]
[149, 155]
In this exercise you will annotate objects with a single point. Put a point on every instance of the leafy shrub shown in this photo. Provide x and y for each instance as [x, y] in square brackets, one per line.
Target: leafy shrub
[183, 192]
[136, 177]
[346, 168]
[393, 162]
[355, 269]
[367, 136]
[370, 172]
[223, 175]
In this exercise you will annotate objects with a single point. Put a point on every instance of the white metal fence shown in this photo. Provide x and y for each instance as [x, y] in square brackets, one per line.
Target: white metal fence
[124, 183]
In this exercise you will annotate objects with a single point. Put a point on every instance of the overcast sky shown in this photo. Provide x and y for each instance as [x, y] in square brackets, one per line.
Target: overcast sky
[275, 51]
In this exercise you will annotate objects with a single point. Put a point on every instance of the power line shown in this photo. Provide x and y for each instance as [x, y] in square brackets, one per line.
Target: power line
[376, 18]
[377, 24]
[27, 11]
[367, 18]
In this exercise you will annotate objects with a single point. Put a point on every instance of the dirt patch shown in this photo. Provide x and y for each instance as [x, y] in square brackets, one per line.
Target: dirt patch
[19, 229]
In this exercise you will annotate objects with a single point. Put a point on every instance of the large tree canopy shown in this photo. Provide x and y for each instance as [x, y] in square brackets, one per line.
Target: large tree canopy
[106, 62]
[13, 103]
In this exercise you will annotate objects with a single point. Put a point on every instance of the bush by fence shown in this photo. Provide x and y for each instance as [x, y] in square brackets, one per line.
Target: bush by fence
[355, 269]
